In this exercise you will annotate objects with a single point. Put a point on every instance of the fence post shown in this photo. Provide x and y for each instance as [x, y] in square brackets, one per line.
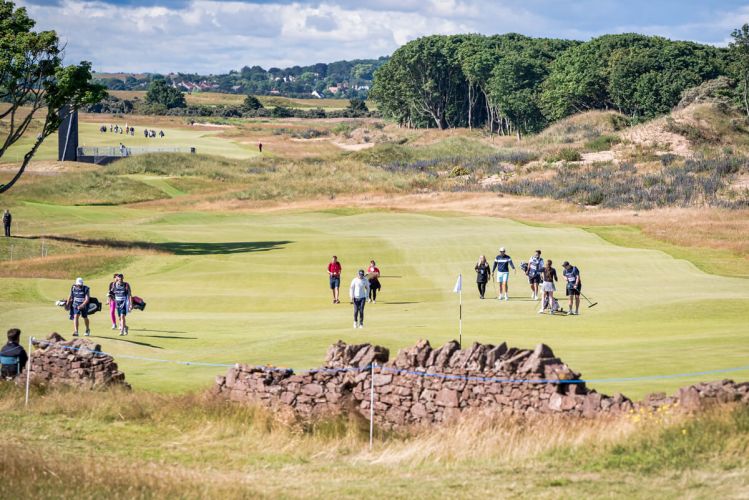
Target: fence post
[28, 371]
[11, 253]
[371, 408]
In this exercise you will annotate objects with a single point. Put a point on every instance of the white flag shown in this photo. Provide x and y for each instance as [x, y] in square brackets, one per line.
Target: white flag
[458, 284]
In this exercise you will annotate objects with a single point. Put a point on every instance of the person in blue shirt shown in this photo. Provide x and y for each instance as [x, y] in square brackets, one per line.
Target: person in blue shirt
[13, 349]
[574, 286]
[535, 272]
[502, 265]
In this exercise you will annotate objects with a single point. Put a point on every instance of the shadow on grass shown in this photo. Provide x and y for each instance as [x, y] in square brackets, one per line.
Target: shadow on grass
[168, 337]
[222, 248]
[175, 248]
[121, 339]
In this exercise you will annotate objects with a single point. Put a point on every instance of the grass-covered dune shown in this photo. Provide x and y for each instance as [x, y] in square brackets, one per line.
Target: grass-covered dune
[140, 445]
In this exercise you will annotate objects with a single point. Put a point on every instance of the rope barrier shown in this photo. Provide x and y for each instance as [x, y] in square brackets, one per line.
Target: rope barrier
[447, 376]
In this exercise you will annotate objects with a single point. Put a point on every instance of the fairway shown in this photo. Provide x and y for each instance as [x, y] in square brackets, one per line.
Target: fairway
[205, 141]
[252, 288]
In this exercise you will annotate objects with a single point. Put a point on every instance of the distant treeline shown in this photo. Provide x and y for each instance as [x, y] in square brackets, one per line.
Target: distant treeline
[350, 79]
[512, 83]
[155, 104]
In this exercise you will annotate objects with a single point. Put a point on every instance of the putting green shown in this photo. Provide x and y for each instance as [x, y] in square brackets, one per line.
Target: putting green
[206, 142]
[252, 288]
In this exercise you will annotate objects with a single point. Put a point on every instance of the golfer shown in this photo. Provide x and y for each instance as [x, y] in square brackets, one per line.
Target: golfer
[334, 273]
[373, 275]
[534, 273]
[574, 286]
[78, 303]
[483, 272]
[7, 219]
[358, 292]
[123, 299]
[548, 288]
[502, 264]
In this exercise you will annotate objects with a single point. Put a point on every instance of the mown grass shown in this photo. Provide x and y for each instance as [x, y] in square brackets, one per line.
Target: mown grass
[126, 445]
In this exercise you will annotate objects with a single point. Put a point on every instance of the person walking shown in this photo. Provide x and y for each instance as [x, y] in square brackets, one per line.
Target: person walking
[373, 275]
[13, 349]
[7, 219]
[534, 273]
[334, 273]
[260, 147]
[123, 298]
[78, 303]
[574, 286]
[548, 288]
[502, 264]
[358, 292]
[483, 272]
[111, 303]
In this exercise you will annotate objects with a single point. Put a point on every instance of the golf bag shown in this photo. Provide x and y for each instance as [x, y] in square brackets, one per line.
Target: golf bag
[553, 307]
[138, 303]
[524, 267]
[94, 305]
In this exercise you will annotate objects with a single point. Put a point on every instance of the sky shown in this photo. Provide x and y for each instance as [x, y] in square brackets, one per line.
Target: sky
[201, 36]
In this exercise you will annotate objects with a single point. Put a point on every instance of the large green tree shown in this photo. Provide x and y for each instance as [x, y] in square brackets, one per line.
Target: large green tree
[33, 81]
[161, 93]
[739, 48]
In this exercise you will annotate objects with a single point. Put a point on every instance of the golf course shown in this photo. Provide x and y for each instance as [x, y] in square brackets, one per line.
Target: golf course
[249, 287]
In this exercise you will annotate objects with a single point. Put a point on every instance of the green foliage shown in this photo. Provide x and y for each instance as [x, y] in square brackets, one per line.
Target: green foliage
[602, 143]
[739, 49]
[161, 93]
[358, 106]
[641, 76]
[33, 78]
[281, 112]
[564, 154]
[251, 103]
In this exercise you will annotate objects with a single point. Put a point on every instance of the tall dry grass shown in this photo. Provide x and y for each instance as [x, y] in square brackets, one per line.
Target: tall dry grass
[123, 444]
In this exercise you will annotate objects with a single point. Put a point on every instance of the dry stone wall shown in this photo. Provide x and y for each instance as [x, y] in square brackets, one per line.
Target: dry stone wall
[78, 362]
[423, 385]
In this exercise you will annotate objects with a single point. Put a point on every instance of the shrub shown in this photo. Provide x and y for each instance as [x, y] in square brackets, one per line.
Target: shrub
[458, 171]
[602, 143]
[564, 154]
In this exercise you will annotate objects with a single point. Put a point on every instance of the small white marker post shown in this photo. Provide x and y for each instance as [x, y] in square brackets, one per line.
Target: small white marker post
[371, 409]
[28, 371]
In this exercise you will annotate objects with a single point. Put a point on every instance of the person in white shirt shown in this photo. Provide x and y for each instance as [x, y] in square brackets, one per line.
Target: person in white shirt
[358, 292]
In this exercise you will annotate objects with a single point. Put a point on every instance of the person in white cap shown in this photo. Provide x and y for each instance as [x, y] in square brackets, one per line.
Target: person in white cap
[502, 265]
[78, 303]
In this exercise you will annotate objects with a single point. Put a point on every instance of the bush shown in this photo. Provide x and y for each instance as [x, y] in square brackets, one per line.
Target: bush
[459, 171]
[602, 143]
[565, 154]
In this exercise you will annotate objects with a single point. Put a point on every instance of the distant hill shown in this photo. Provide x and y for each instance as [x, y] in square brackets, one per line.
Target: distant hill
[340, 79]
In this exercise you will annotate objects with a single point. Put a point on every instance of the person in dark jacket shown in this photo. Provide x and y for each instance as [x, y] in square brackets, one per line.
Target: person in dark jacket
[13, 350]
[7, 219]
[483, 273]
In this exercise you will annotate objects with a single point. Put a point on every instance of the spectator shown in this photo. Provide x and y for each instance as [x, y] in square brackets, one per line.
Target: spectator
[7, 219]
[13, 350]
[161, 134]
[260, 147]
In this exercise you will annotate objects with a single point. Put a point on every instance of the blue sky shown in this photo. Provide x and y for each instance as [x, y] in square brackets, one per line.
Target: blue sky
[216, 36]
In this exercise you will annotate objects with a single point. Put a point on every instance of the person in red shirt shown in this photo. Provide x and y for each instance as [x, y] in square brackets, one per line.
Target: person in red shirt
[334, 272]
[373, 273]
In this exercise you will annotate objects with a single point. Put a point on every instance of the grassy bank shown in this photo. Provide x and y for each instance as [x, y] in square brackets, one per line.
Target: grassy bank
[143, 445]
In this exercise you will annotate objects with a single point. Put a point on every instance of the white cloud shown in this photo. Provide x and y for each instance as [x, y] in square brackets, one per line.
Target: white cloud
[215, 36]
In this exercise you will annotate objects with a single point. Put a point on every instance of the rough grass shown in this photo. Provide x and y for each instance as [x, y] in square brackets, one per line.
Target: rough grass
[146, 445]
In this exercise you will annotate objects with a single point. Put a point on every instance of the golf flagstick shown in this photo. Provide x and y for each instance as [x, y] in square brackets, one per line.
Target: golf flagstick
[459, 290]
[592, 304]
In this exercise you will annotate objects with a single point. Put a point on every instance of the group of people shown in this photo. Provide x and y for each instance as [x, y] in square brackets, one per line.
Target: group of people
[7, 220]
[119, 300]
[542, 277]
[116, 129]
[128, 130]
[363, 287]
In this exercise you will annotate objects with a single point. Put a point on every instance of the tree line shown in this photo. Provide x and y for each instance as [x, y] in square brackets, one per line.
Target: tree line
[514, 84]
